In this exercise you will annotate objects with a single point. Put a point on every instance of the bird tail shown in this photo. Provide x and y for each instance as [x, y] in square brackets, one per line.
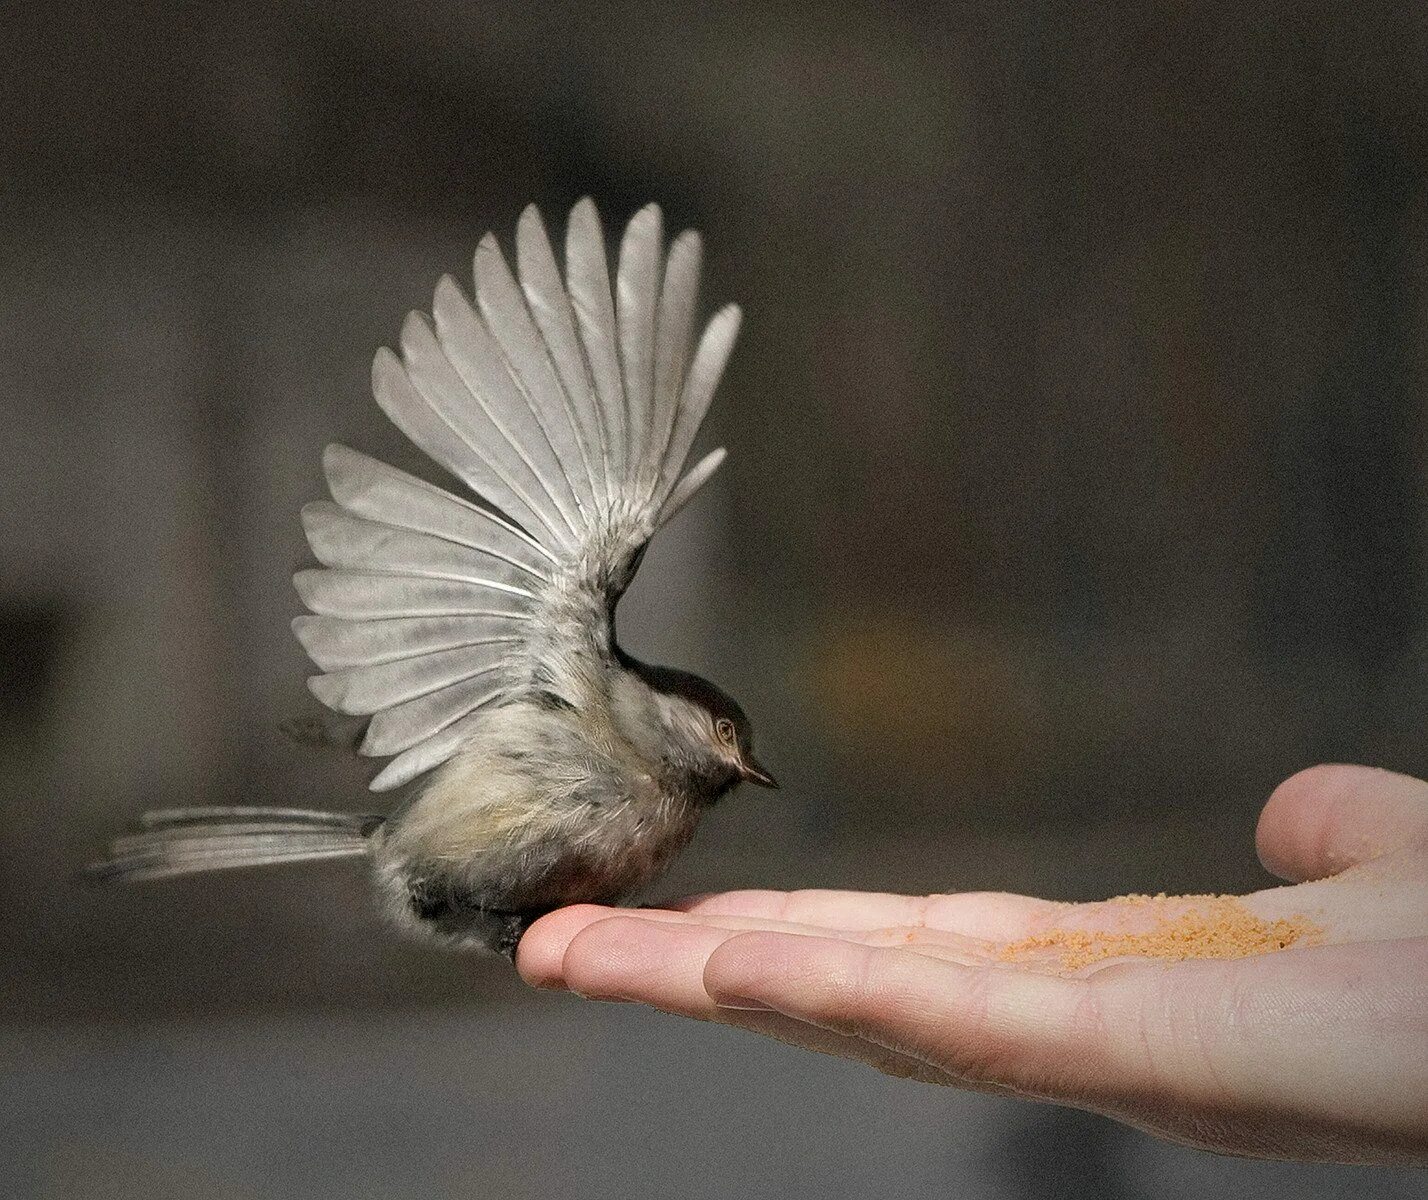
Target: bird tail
[182, 841]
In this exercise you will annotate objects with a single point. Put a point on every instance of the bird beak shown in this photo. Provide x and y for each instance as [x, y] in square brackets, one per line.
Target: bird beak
[751, 772]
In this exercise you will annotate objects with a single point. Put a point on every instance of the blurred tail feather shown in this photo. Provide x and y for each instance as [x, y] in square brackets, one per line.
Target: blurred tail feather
[182, 841]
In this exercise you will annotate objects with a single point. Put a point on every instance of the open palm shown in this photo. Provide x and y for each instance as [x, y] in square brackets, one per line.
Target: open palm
[1319, 1051]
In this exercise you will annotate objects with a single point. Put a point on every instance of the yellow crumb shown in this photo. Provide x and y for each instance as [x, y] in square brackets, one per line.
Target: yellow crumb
[1214, 927]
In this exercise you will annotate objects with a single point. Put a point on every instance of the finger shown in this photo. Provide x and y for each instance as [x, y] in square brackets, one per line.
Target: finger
[625, 957]
[995, 916]
[939, 942]
[541, 950]
[628, 958]
[540, 957]
[1328, 818]
[1032, 1033]
[542, 953]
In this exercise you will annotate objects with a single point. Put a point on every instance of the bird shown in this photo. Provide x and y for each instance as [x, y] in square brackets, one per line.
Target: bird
[539, 764]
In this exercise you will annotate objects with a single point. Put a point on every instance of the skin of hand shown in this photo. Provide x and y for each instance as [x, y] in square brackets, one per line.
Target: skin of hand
[1316, 1052]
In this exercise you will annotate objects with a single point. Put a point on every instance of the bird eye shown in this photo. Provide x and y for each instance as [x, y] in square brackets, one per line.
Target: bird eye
[725, 729]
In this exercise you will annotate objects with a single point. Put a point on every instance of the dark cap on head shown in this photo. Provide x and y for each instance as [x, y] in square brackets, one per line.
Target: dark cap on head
[715, 701]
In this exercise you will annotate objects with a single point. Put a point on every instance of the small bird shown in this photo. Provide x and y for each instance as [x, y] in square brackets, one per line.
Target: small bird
[544, 765]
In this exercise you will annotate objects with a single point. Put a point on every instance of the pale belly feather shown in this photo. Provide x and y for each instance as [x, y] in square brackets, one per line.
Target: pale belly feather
[528, 817]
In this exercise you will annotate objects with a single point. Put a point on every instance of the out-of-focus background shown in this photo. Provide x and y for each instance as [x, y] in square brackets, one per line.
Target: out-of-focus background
[1076, 497]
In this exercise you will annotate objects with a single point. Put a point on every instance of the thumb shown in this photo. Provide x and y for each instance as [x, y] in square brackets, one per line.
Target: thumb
[1328, 818]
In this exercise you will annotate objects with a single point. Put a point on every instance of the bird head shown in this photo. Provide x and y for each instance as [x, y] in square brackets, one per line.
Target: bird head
[703, 731]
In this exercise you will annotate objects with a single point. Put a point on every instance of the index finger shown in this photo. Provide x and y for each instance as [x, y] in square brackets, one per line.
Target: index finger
[993, 916]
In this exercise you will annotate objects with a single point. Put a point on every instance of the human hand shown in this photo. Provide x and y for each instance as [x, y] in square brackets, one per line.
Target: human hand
[1319, 1052]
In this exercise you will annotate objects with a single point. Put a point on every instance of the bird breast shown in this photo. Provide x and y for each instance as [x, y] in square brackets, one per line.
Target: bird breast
[538, 791]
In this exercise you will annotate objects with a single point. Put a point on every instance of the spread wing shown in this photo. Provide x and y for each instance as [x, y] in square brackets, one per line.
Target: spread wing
[569, 407]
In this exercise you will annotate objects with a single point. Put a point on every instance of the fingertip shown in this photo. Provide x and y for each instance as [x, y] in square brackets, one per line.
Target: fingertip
[606, 953]
[1329, 817]
[542, 948]
[580, 966]
[1289, 811]
[757, 965]
[731, 966]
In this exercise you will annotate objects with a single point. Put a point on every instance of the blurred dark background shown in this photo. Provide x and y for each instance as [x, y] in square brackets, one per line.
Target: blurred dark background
[1076, 497]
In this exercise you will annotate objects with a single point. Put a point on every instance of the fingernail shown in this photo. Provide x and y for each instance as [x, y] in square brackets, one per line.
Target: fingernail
[742, 1003]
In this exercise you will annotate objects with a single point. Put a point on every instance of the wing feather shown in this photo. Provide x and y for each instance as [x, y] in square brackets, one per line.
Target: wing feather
[694, 479]
[513, 485]
[377, 595]
[426, 755]
[704, 373]
[361, 691]
[554, 316]
[410, 411]
[531, 365]
[339, 539]
[674, 326]
[480, 364]
[636, 297]
[588, 282]
[335, 644]
[374, 490]
[405, 725]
